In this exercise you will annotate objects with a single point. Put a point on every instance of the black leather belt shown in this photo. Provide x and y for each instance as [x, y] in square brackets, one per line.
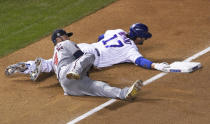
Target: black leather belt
[97, 51]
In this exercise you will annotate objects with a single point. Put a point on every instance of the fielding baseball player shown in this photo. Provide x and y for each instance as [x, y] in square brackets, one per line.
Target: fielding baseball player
[70, 65]
[113, 47]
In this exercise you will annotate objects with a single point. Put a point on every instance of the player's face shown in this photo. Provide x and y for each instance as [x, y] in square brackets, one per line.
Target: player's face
[62, 38]
[139, 40]
[65, 37]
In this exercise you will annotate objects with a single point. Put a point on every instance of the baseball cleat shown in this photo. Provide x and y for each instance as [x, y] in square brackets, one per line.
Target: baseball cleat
[133, 90]
[15, 68]
[73, 75]
[35, 74]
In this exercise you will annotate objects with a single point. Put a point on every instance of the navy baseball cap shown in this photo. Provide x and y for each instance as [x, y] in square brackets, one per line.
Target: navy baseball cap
[58, 33]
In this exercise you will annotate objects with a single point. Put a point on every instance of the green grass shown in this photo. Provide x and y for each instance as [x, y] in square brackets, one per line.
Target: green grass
[25, 21]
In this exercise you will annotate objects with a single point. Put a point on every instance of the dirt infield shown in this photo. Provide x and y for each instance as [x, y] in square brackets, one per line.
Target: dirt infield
[180, 29]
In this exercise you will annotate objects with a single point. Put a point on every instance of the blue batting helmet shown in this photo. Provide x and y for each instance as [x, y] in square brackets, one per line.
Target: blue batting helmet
[139, 30]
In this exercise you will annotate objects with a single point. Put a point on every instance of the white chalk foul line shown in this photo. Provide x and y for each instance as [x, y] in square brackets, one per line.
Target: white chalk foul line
[197, 55]
[98, 108]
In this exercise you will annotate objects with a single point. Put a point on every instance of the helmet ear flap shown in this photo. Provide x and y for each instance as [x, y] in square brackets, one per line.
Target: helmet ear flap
[132, 35]
[132, 32]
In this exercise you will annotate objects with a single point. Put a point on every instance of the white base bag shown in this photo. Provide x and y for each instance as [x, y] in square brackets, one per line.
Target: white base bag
[184, 67]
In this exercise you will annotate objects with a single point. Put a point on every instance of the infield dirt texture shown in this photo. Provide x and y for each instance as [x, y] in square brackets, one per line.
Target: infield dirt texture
[180, 29]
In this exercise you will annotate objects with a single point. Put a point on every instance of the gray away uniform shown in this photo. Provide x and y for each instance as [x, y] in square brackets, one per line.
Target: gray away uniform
[64, 61]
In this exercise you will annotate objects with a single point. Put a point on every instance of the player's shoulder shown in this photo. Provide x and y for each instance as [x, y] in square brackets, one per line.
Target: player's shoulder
[115, 31]
[68, 42]
[120, 30]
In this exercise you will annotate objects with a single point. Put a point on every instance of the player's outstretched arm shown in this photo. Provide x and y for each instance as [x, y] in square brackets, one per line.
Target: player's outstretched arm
[142, 62]
[145, 63]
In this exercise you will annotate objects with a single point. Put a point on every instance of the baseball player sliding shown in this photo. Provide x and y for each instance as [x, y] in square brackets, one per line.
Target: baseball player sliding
[71, 65]
[113, 47]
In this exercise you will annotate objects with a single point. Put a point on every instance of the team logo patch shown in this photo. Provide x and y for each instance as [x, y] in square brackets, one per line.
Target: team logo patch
[58, 34]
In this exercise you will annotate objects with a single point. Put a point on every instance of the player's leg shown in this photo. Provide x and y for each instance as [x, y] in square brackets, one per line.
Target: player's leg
[102, 89]
[80, 66]
[86, 86]
[41, 65]
[20, 67]
[36, 72]
[99, 88]
[34, 68]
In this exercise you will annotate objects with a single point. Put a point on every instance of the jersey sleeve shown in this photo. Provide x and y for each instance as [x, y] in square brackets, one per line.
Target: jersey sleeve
[133, 54]
[145, 63]
[71, 46]
[73, 49]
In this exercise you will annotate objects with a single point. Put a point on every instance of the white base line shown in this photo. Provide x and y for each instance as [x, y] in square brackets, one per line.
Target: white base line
[98, 108]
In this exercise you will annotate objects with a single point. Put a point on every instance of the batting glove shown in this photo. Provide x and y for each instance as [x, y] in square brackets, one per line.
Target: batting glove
[161, 66]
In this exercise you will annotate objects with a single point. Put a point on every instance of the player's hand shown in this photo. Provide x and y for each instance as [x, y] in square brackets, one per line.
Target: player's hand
[161, 66]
